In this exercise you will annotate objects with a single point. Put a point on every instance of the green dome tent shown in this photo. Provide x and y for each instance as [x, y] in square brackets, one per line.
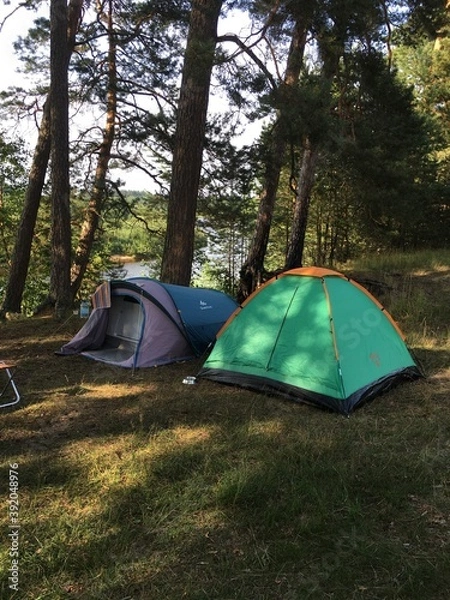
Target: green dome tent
[312, 335]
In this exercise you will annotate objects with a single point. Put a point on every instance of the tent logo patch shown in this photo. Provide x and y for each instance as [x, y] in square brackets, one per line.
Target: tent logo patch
[375, 358]
[204, 305]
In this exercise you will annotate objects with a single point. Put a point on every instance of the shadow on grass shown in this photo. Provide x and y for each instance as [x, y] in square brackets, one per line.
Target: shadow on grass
[136, 486]
[313, 517]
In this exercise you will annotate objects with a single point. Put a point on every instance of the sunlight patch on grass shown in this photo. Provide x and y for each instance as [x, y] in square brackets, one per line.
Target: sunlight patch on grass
[265, 428]
[423, 337]
[191, 435]
[107, 462]
[441, 380]
[404, 262]
[107, 392]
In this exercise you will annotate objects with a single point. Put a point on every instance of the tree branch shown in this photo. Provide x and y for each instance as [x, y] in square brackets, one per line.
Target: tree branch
[247, 50]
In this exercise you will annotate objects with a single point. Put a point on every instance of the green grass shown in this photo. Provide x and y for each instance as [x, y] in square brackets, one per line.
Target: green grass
[134, 486]
[415, 289]
[404, 262]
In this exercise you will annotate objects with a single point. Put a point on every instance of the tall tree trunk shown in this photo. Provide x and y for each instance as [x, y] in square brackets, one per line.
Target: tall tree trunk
[252, 271]
[94, 209]
[20, 259]
[189, 141]
[331, 48]
[59, 134]
[296, 244]
[22, 249]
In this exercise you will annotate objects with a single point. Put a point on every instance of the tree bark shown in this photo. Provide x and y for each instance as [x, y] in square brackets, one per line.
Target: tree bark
[189, 141]
[59, 135]
[294, 256]
[331, 48]
[252, 271]
[93, 212]
[20, 259]
[22, 249]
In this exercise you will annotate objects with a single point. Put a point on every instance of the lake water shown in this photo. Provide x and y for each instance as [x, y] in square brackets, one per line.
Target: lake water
[131, 269]
[136, 269]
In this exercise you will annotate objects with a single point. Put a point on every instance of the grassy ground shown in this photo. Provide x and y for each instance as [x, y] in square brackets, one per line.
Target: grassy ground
[133, 486]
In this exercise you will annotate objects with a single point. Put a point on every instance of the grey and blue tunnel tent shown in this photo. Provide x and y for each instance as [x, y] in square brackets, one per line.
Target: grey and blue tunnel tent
[141, 322]
[312, 335]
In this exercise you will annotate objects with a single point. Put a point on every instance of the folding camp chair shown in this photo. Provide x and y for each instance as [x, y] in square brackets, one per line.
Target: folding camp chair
[8, 368]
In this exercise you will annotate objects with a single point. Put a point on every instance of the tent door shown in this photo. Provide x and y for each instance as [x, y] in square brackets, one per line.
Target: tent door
[124, 330]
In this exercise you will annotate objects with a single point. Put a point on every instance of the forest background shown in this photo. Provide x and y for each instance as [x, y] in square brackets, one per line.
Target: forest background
[353, 156]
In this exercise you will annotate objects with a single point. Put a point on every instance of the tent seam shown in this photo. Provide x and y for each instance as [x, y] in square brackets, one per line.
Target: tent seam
[333, 337]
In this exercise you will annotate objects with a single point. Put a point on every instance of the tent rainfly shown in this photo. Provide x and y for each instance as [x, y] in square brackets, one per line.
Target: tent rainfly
[312, 335]
[140, 322]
